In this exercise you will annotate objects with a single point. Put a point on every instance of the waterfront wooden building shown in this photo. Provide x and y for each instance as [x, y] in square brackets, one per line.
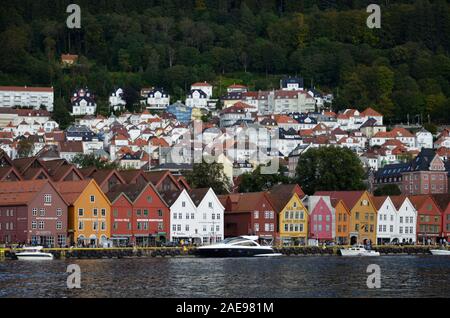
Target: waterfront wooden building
[32, 212]
[429, 219]
[250, 214]
[363, 214]
[292, 214]
[139, 215]
[89, 212]
[443, 201]
[322, 221]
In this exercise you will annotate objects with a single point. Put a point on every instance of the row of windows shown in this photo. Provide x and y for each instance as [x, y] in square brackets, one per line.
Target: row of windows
[8, 212]
[268, 215]
[409, 219]
[293, 227]
[342, 228]
[342, 217]
[319, 228]
[49, 240]
[268, 227]
[139, 212]
[408, 230]
[294, 215]
[81, 226]
[319, 218]
[41, 225]
[42, 212]
[94, 212]
[427, 218]
[366, 228]
[424, 228]
[366, 216]
[9, 226]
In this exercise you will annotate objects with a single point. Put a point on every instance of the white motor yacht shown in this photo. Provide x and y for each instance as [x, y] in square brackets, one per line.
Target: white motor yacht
[242, 246]
[358, 250]
[34, 254]
[443, 252]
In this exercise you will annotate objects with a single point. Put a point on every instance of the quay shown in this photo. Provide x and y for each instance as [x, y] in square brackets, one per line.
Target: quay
[129, 252]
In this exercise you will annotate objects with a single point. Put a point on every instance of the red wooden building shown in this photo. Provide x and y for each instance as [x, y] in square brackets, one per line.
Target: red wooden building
[249, 214]
[139, 216]
[429, 219]
[443, 201]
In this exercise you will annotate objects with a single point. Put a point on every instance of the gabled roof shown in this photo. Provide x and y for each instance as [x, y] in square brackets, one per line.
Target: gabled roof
[442, 200]
[103, 175]
[197, 195]
[156, 177]
[370, 112]
[244, 202]
[130, 176]
[350, 198]
[7, 171]
[20, 192]
[71, 190]
[398, 200]
[379, 201]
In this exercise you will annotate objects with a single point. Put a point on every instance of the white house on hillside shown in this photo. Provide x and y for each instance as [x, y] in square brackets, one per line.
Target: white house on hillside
[116, 100]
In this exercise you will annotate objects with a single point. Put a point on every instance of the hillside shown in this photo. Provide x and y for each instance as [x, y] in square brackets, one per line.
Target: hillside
[402, 68]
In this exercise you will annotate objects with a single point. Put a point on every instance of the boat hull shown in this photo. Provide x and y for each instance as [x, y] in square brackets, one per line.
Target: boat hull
[235, 252]
[440, 252]
[347, 253]
[34, 257]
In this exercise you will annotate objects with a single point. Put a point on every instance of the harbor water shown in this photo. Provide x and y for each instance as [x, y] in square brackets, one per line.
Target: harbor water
[281, 277]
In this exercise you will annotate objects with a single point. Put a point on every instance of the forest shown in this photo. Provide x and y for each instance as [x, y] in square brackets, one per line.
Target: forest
[402, 68]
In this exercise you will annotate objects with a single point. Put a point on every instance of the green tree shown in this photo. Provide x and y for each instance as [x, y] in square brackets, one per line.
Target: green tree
[205, 175]
[388, 189]
[25, 148]
[255, 181]
[330, 169]
[90, 160]
[61, 114]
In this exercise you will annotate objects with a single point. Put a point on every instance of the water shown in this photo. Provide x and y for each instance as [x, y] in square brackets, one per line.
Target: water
[285, 277]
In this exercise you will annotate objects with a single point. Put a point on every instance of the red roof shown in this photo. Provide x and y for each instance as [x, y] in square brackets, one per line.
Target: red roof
[204, 84]
[370, 112]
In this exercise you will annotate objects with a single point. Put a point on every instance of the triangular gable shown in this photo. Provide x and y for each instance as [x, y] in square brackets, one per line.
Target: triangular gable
[92, 181]
[6, 176]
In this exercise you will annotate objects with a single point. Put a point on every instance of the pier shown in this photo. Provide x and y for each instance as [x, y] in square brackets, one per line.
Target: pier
[141, 252]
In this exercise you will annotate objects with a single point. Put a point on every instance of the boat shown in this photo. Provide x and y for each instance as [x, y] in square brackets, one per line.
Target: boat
[34, 254]
[358, 250]
[242, 246]
[442, 252]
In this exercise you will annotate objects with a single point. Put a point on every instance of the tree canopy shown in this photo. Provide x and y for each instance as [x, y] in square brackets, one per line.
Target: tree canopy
[330, 169]
[205, 175]
[255, 181]
[90, 160]
[402, 68]
[389, 189]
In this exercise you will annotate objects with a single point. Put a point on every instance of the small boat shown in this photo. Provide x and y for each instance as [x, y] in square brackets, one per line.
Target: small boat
[242, 246]
[442, 252]
[358, 250]
[33, 254]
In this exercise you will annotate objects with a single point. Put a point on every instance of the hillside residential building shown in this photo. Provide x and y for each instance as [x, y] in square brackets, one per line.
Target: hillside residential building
[83, 103]
[34, 97]
[426, 174]
[116, 100]
[158, 99]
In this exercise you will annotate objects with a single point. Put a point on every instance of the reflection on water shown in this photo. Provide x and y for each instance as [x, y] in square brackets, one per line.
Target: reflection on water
[401, 276]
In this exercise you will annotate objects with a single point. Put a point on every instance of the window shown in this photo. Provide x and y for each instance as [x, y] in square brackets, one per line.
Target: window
[80, 212]
[61, 240]
[256, 215]
[175, 216]
[146, 212]
[42, 212]
[47, 198]
[187, 227]
[187, 216]
[183, 204]
[103, 226]
[356, 215]
[95, 225]
[34, 212]
[160, 226]
[210, 205]
[59, 225]
[80, 225]
[138, 212]
[59, 212]
[34, 225]
[160, 213]
[256, 227]
[95, 212]
[149, 199]
[103, 212]
[192, 216]
[92, 198]
[115, 225]
[174, 227]
[41, 225]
